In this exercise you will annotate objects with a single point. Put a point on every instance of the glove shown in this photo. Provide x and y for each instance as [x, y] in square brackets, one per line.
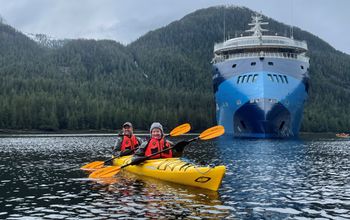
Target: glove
[125, 153]
[137, 160]
[179, 147]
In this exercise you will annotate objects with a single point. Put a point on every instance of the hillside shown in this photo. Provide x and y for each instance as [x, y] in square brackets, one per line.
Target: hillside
[165, 75]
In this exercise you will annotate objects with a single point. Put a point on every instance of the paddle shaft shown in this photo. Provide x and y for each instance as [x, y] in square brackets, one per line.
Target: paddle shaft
[127, 152]
[109, 159]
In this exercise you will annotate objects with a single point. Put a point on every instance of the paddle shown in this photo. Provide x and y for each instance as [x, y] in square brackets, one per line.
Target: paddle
[179, 130]
[110, 171]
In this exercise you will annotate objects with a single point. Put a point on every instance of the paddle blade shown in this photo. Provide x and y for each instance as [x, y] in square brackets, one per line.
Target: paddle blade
[92, 165]
[212, 132]
[105, 172]
[181, 129]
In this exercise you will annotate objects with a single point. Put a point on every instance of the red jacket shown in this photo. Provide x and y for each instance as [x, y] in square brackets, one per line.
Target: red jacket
[156, 145]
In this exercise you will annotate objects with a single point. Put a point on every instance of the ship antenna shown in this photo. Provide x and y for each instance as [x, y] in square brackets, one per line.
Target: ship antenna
[2, 20]
[224, 22]
[292, 18]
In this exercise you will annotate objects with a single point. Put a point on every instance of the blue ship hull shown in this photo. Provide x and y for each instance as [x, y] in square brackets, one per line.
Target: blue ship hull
[260, 97]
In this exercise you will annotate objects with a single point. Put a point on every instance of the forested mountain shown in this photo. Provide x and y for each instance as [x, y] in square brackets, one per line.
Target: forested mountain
[165, 75]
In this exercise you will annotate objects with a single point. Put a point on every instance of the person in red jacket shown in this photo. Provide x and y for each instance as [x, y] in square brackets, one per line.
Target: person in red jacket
[156, 144]
[127, 143]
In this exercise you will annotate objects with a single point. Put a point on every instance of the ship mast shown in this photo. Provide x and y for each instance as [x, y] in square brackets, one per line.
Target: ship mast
[256, 23]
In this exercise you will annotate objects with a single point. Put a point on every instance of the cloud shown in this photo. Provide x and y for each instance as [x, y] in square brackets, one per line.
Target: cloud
[126, 20]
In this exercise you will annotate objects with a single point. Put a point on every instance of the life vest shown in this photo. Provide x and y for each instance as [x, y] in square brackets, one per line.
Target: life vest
[129, 143]
[155, 145]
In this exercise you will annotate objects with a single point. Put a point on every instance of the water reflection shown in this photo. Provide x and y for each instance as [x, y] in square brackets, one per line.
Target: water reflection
[152, 197]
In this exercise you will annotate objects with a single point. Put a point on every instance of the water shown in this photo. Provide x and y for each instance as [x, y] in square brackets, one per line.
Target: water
[265, 179]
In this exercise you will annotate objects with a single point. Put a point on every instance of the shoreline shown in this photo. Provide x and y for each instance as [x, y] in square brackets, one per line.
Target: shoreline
[71, 133]
[4, 133]
[62, 132]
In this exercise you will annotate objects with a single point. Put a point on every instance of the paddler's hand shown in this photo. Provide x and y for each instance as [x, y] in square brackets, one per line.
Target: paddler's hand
[125, 153]
[137, 160]
[120, 134]
[116, 154]
[179, 147]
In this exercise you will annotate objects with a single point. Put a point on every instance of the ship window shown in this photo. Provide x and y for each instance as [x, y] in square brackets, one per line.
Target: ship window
[252, 63]
[286, 79]
[270, 63]
[302, 67]
[234, 65]
[243, 78]
[276, 78]
[248, 79]
[239, 78]
[216, 69]
[270, 77]
[255, 77]
[281, 78]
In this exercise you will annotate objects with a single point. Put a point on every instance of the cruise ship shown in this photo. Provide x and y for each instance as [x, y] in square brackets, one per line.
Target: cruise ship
[261, 83]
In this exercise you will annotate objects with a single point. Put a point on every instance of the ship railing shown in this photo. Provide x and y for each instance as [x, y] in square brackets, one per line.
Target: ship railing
[301, 57]
[253, 41]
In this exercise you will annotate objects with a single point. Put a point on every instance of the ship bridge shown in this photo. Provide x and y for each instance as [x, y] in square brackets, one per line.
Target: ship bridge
[259, 45]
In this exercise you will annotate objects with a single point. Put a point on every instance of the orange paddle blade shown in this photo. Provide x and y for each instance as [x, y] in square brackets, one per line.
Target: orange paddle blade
[92, 165]
[212, 132]
[105, 172]
[181, 129]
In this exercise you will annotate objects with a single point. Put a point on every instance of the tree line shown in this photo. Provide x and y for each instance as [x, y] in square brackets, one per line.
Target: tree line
[163, 76]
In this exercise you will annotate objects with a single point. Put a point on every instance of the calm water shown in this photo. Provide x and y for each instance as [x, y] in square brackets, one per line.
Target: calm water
[265, 179]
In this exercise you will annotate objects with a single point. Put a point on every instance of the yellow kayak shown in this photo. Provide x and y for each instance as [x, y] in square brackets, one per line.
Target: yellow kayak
[177, 171]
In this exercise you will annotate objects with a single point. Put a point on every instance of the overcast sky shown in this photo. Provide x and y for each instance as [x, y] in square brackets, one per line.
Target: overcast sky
[126, 20]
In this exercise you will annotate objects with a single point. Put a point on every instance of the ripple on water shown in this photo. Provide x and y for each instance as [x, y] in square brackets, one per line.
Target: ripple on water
[265, 179]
